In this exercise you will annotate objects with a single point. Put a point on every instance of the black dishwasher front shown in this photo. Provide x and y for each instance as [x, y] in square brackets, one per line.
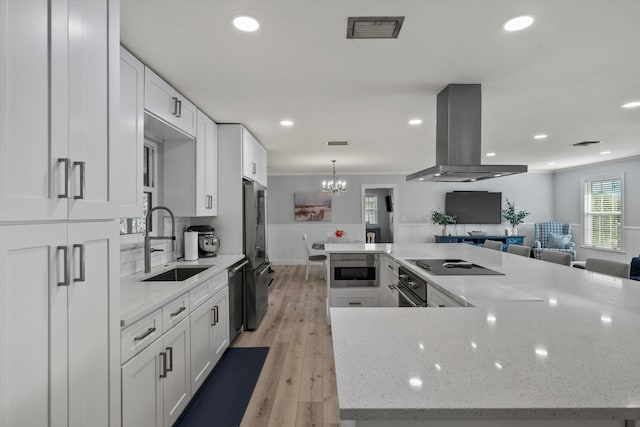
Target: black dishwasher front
[236, 305]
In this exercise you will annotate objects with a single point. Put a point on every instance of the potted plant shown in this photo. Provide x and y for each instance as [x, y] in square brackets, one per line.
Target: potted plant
[514, 218]
[443, 219]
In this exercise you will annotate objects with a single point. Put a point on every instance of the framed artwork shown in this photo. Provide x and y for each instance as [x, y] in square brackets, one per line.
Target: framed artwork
[312, 206]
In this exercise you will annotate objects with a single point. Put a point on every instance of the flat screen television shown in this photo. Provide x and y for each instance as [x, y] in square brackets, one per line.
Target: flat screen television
[474, 207]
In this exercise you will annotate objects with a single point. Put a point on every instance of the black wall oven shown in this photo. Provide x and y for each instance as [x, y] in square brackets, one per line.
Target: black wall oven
[412, 290]
[353, 270]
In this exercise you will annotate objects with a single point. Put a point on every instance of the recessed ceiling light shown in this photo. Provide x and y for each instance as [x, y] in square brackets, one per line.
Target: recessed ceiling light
[490, 154]
[286, 123]
[605, 152]
[632, 104]
[497, 175]
[551, 163]
[540, 136]
[246, 23]
[518, 23]
[415, 122]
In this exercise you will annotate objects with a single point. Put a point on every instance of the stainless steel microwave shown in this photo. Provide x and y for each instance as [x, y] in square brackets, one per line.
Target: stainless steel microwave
[349, 270]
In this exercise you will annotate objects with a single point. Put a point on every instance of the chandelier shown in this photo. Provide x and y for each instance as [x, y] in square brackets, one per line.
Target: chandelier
[334, 186]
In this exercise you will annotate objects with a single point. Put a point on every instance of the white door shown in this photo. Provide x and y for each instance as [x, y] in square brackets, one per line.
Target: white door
[186, 117]
[94, 250]
[201, 345]
[32, 315]
[159, 98]
[211, 167]
[177, 384]
[142, 388]
[220, 329]
[31, 178]
[88, 86]
[131, 144]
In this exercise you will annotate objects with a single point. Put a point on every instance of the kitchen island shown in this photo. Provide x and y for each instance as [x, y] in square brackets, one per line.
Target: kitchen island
[543, 344]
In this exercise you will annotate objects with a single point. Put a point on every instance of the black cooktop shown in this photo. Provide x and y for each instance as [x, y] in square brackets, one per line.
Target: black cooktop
[453, 267]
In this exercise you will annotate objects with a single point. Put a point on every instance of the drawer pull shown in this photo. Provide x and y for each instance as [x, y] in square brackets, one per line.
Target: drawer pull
[355, 303]
[146, 334]
[163, 365]
[180, 310]
[169, 353]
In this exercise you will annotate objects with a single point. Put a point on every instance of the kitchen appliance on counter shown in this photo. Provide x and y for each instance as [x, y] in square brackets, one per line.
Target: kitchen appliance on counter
[453, 267]
[208, 242]
[256, 276]
[236, 299]
[350, 270]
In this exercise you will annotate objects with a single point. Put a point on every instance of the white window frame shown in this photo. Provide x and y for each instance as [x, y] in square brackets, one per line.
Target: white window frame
[586, 228]
[374, 211]
[133, 224]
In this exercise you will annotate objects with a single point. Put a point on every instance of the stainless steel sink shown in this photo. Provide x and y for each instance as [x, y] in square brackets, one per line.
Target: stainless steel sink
[177, 274]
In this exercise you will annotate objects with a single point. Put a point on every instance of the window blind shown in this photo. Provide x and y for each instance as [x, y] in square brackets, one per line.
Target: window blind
[371, 209]
[603, 213]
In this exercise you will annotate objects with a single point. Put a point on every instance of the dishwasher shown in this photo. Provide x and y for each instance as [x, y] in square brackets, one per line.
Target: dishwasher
[236, 305]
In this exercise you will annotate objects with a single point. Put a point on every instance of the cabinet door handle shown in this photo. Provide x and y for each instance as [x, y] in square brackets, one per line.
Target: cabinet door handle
[179, 108]
[66, 280]
[355, 303]
[146, 334]
[82, 263]
[82, 179]
[216, 314]
[175, 106]
[177, 312]
[213, 316]
[163, 365]
[67, 163]
[170, 357]
[253, 168]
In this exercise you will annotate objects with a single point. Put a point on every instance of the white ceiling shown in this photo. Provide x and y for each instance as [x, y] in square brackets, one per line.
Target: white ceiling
[566, 76]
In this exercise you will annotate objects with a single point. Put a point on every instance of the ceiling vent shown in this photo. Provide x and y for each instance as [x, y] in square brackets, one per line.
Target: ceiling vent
[337, 142]
[374, 27]
[585, 143]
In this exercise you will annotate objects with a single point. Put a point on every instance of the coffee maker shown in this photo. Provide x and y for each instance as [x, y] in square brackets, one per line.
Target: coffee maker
[208, 242]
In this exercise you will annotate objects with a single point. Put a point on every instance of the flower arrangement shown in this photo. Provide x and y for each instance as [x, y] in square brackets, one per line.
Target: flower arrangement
[514, 218]
[440, 218]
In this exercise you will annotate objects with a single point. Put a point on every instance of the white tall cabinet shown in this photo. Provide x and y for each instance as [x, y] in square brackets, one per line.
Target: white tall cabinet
[59, 243]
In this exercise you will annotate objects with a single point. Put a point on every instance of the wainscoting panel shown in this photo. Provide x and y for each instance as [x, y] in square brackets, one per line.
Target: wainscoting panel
[630, 245]
[285, 246]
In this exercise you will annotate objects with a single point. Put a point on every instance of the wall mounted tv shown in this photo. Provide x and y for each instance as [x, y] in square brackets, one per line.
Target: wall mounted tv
[474, 207]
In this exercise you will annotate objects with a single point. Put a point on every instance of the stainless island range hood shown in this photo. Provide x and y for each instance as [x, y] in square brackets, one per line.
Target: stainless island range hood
[458, 149]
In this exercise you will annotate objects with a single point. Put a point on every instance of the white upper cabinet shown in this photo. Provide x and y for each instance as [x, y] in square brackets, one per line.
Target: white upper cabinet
[206, 166]
[55, 151]
[254, 158]
[164, 102]
[131, 144]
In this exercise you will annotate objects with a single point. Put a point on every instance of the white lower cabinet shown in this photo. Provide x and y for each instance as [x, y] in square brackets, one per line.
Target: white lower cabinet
[160, 376]
[388, 272]
[156, 382]
[209, 336]
[355, 297]
[58, 290]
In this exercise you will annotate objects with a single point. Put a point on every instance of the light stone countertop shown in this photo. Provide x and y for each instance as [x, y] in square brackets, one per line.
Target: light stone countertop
[138, 299]
[544, 341]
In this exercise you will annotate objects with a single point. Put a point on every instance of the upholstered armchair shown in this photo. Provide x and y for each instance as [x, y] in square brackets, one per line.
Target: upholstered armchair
[553, 236]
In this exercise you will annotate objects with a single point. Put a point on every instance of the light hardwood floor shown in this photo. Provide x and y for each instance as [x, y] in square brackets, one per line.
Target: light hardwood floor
[297, 385]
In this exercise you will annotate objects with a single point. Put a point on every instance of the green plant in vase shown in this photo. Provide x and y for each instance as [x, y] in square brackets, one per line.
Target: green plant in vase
[514, 218]
[443, 219]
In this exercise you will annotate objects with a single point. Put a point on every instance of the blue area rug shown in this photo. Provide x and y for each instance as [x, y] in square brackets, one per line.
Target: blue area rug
[224, 396]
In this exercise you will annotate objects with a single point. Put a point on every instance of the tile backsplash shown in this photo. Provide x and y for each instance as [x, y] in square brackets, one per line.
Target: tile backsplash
[132, 247]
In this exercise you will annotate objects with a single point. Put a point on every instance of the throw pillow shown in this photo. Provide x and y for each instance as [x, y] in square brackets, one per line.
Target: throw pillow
[558, 241]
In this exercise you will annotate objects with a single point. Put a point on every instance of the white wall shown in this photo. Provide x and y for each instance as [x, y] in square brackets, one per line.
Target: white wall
[413, 202]
[568, 205]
